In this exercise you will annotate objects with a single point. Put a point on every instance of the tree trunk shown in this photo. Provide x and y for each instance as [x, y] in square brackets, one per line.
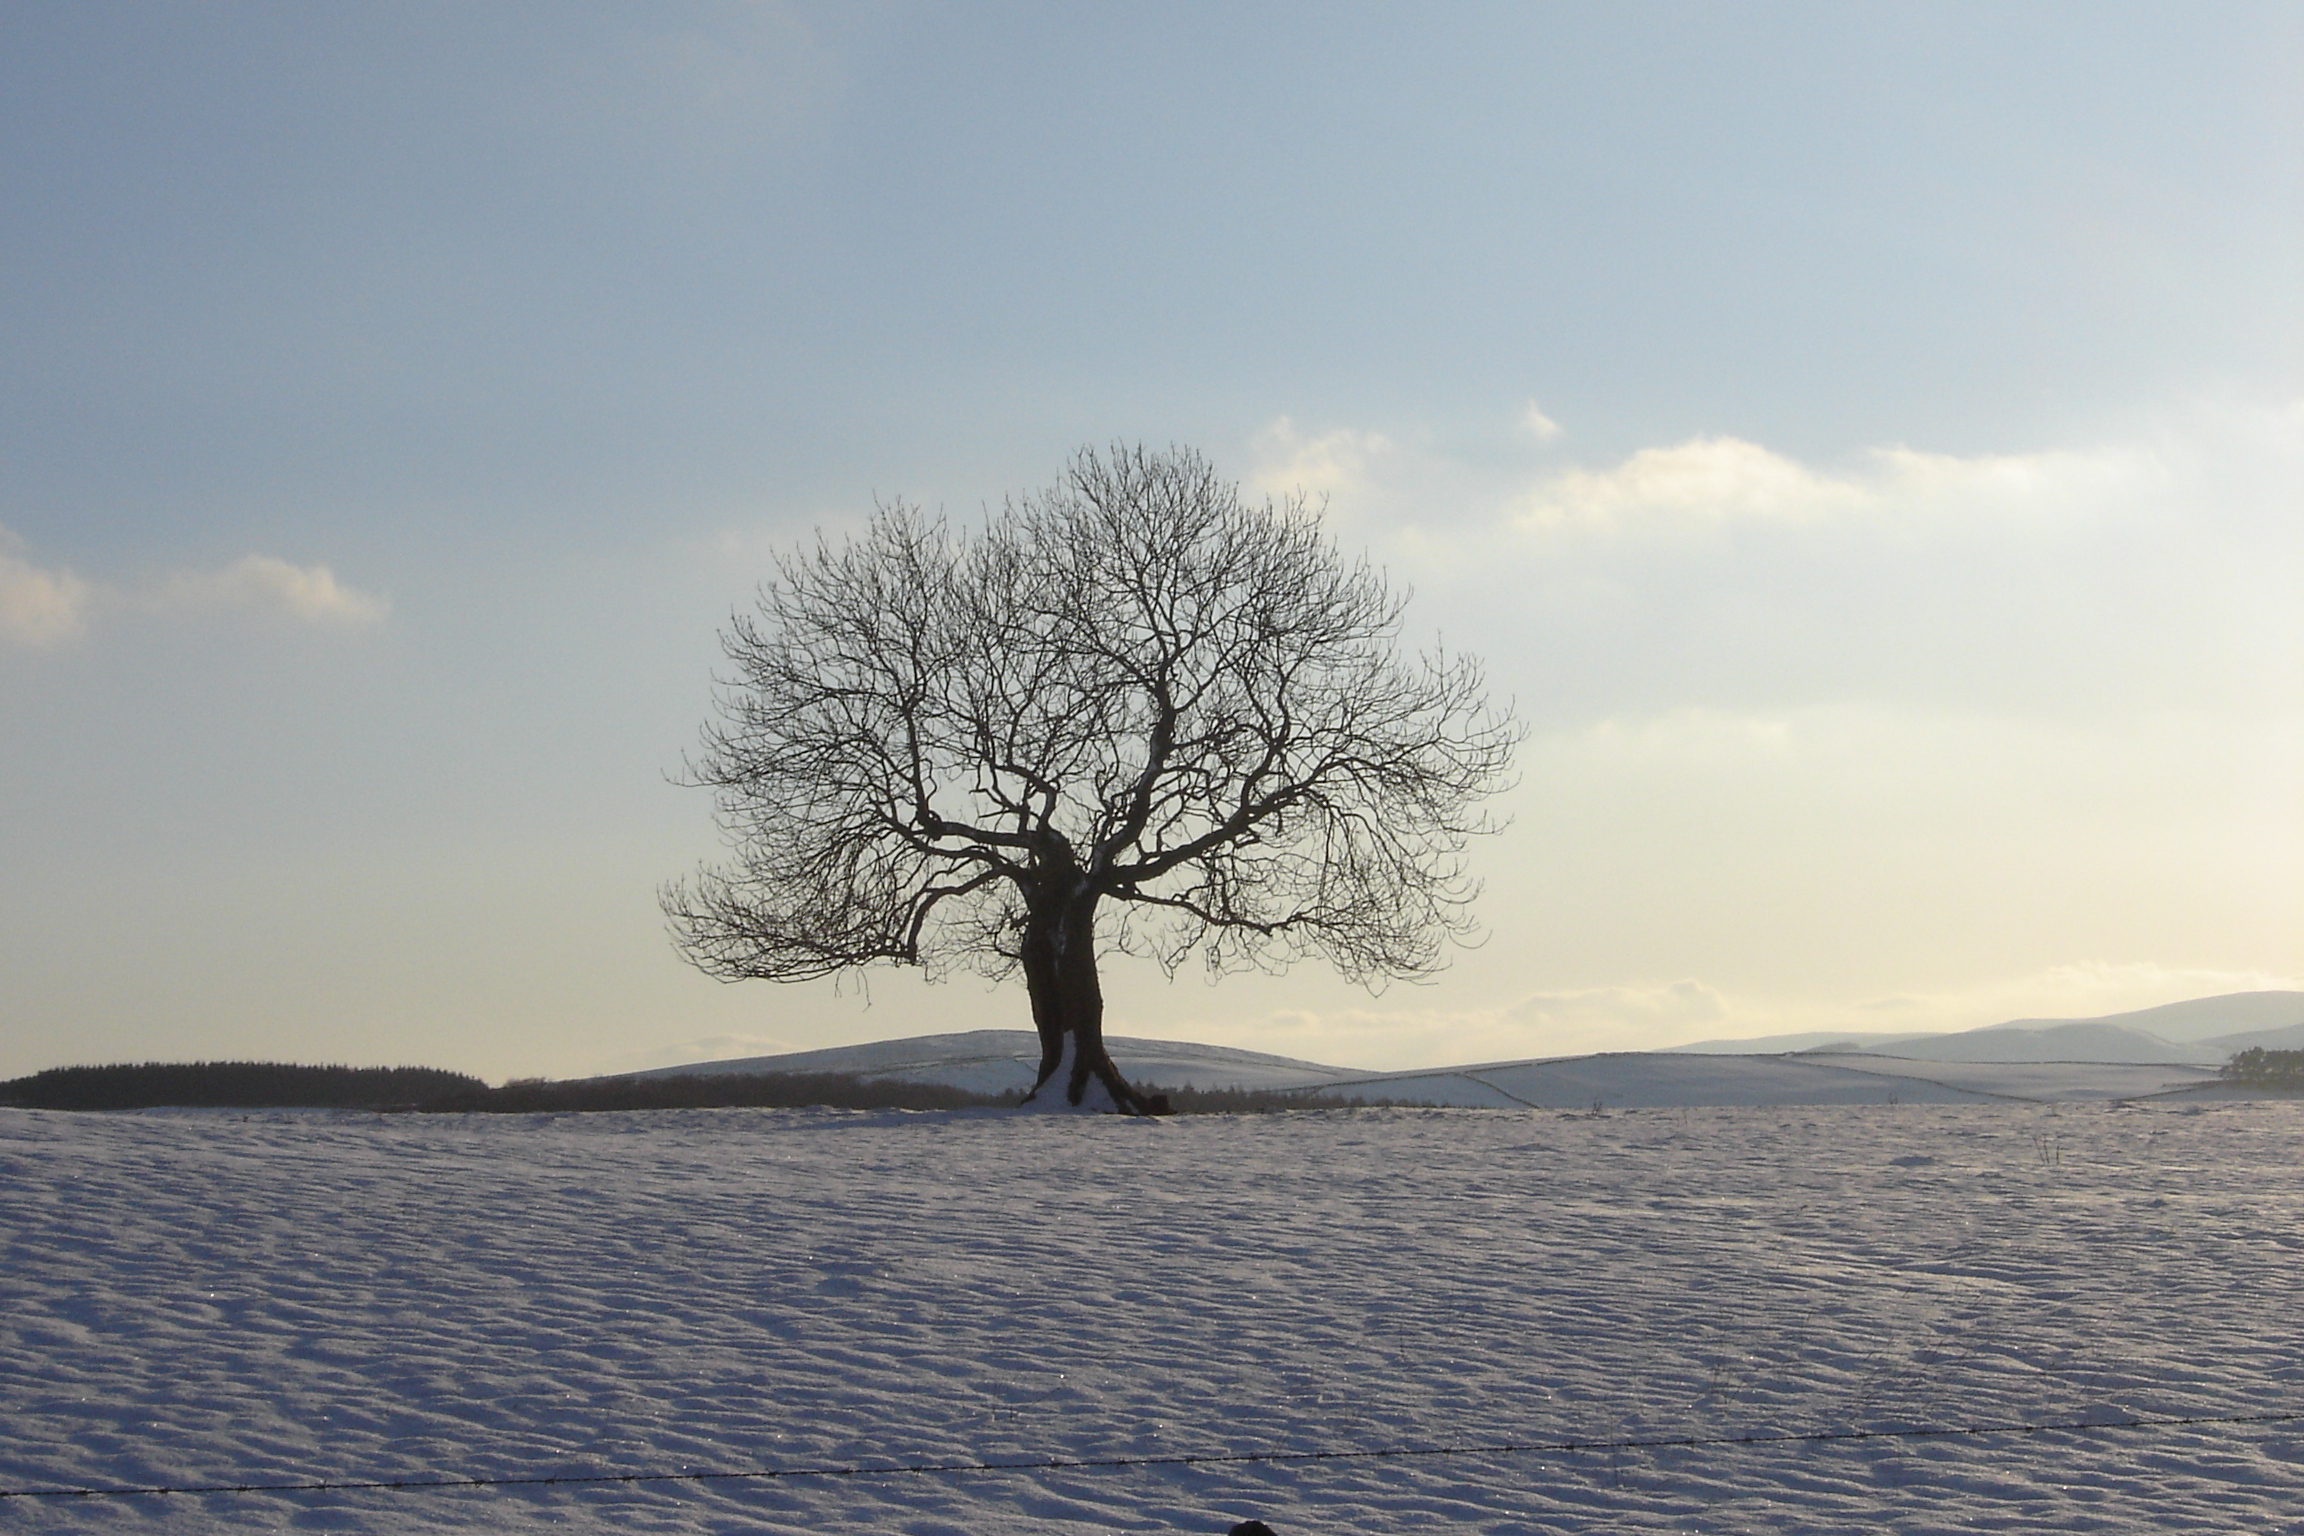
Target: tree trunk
[1059, 963]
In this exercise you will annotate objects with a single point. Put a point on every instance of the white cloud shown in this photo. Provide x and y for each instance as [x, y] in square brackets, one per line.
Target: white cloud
[1536, 424]
[2157, 569]
[1712, 477]
[1674, 1008]
[1340, 468]
[264, 584]
[1381, 487]
[38, 607]
[42, 607]
[1721, 479]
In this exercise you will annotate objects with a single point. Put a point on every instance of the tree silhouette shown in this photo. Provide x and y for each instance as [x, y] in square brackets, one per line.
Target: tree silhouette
[1132, 713]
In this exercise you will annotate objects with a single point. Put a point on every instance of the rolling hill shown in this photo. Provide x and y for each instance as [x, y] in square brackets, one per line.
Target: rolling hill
[994, 1061]
[2203, 1031]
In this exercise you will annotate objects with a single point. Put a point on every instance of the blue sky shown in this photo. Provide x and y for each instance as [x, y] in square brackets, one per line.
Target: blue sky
[1867, 443]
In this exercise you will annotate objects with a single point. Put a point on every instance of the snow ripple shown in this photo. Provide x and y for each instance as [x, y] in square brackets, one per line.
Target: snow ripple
[287, 1297]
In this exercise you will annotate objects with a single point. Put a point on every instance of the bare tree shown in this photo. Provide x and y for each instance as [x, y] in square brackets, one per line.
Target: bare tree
[1132, 713]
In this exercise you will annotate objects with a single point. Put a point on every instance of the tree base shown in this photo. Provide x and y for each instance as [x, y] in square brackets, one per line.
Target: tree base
[1065, 1088]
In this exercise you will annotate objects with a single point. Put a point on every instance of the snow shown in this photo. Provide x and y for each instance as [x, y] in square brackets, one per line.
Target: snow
[1008, 1060]
[2055, 1042]
[2198, 1018]
[2199, 1029]
[1054, 1098]
[2043, 1082]
[1653, 1080]
[215, 1297]
[997, 1060]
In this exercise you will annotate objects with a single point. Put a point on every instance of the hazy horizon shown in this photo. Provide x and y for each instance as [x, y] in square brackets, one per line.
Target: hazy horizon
[1866, 445]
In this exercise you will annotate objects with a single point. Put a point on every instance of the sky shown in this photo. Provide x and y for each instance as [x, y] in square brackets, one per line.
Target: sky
[1865, 443]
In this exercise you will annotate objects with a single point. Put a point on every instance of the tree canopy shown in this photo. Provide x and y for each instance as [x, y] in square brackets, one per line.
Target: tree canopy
[1133, 712]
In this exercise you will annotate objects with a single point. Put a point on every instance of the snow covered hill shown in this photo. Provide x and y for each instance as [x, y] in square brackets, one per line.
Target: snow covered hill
[2287, 1038]
[1652, 1080]
[2170, 1049]
[2207, 1019]
[2204, 1031]
[1001, 1060]
[2086, 1040]
[1006, 1060]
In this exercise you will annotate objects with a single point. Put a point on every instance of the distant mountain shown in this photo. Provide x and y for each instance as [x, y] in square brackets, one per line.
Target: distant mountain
[2200, 1019]
[2200, 1030]
[1777, 1045]
[2084, 1041]
[2289, 1039]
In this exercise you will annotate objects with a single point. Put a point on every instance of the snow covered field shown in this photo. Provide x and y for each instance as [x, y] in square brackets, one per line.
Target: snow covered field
[191, 1297]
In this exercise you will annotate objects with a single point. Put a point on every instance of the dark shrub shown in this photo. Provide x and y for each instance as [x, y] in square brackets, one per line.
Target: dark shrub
[2257, 1067]
[230, 1085]
[712, 1090]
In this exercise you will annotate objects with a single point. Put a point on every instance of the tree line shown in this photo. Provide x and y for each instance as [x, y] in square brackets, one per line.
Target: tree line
[429, 1090]
[231, 1085]
[2257, 1067]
